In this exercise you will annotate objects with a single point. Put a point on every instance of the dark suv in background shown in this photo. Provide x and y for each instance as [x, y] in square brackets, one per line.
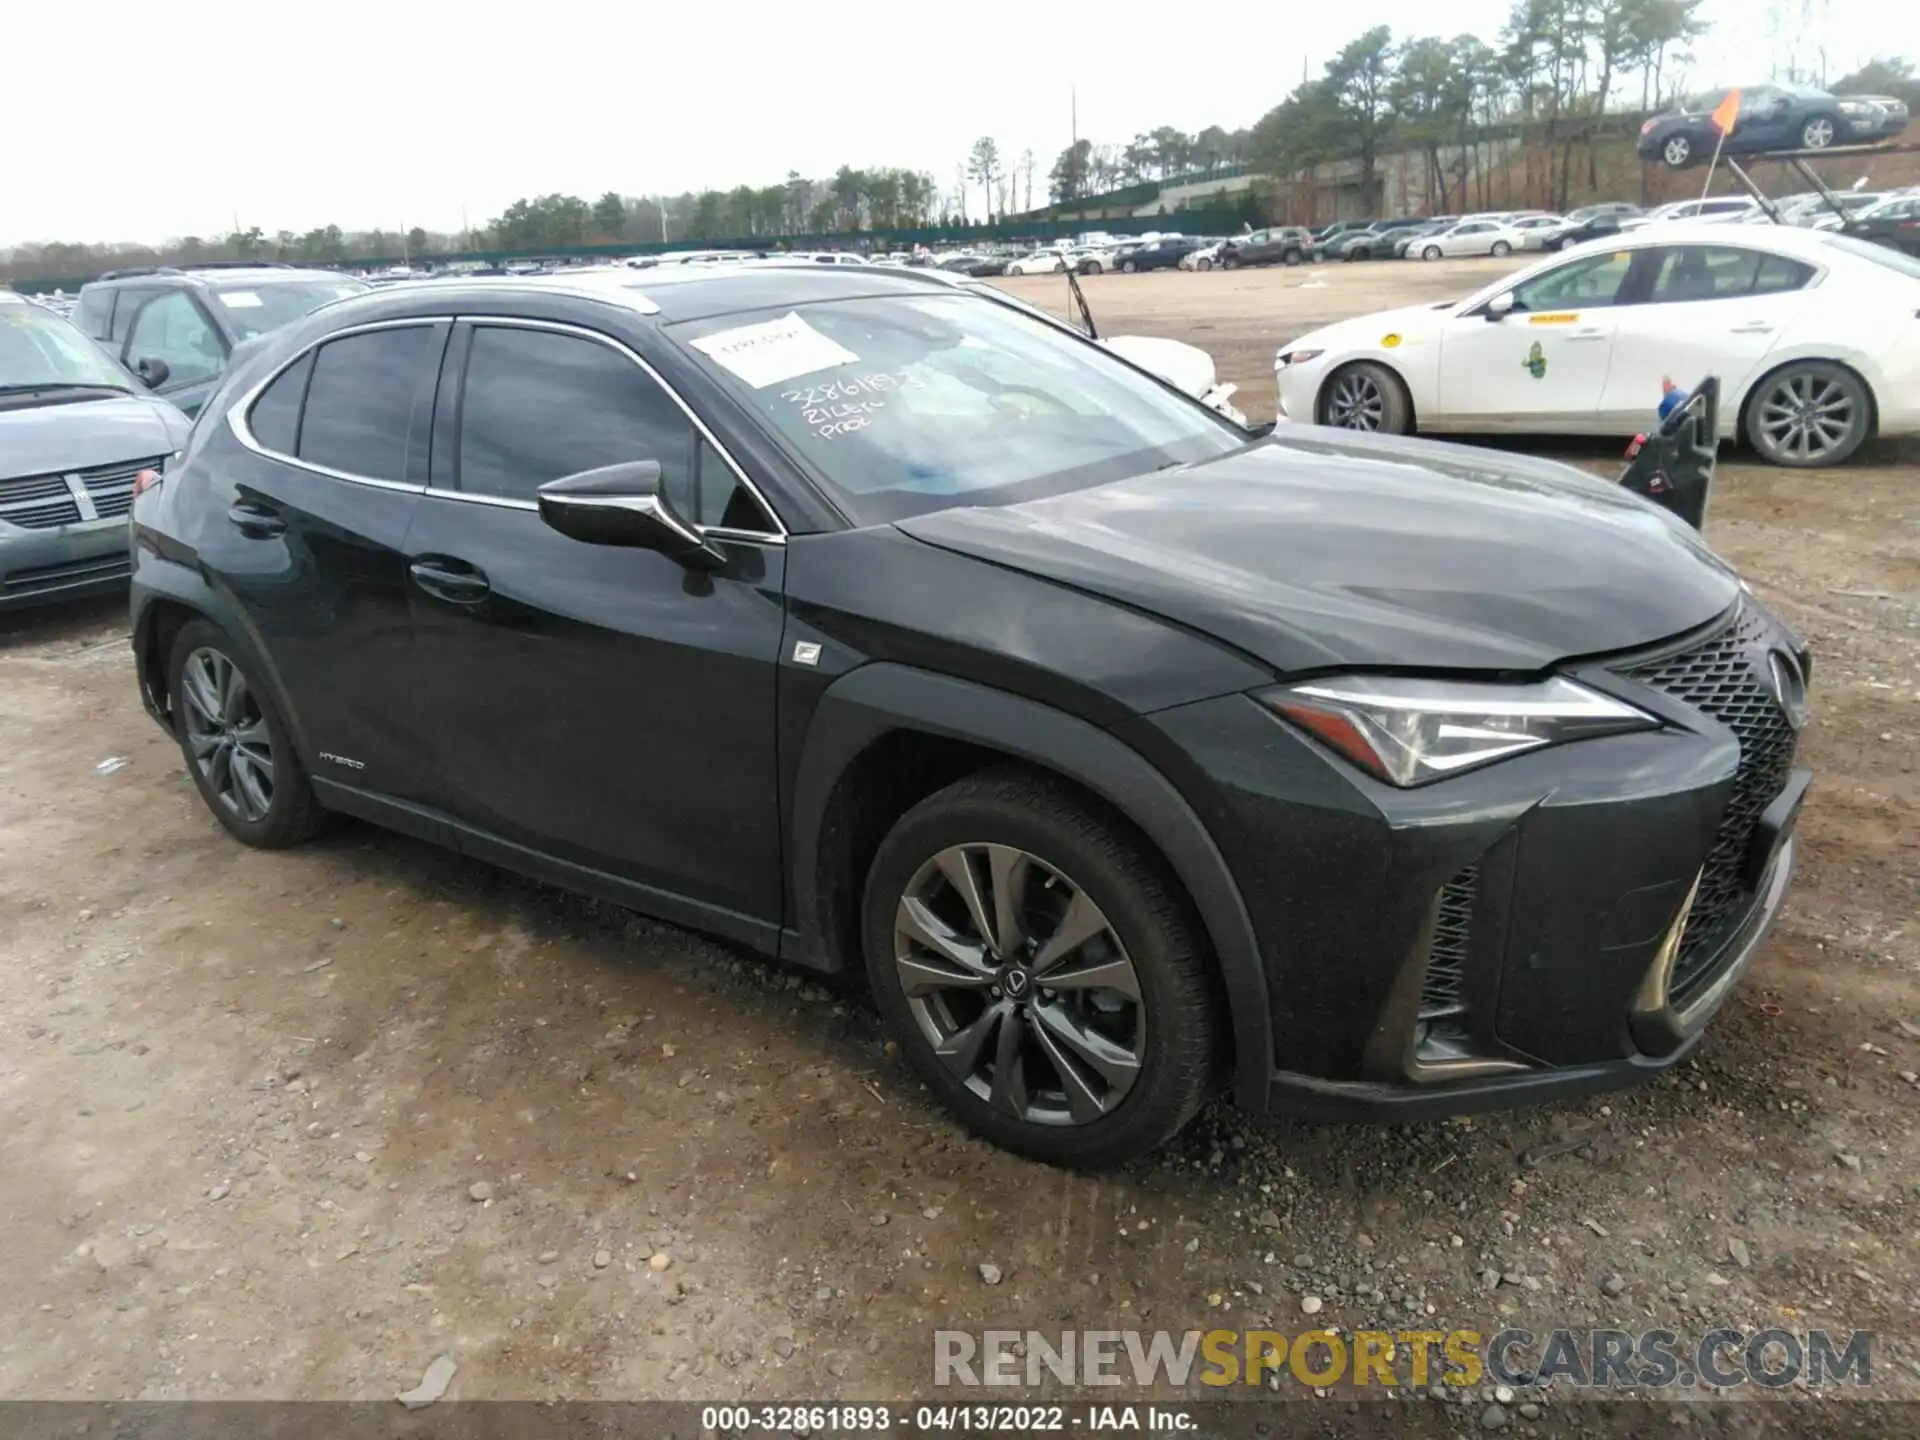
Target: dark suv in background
[1282, 245]
[175, 327]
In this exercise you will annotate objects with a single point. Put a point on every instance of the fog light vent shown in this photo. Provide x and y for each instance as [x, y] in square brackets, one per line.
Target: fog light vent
[1447, 957]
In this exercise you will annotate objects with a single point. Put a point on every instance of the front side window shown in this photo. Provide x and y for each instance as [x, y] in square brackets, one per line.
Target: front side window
[906, 404]
[539, 405]
[38, 348]
[1585, 284]
[171, 328]
[362, 399]
[255, 309]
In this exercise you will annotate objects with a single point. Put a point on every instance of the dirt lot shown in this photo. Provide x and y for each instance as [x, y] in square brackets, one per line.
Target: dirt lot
[245, 1099]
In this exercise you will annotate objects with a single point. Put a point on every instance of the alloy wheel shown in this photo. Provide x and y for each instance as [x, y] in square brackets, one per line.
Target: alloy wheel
[1020, 983]
[1678, 150]
[1818, 134]
[1807, 417]
[227, 735]
[1356, 402]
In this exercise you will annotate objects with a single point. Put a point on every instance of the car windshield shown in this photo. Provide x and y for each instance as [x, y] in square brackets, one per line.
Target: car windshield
[907, 404]
[37, 348]
[1882, 255]
[257, 307]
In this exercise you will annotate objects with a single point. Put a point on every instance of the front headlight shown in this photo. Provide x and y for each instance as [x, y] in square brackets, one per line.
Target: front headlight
[1295, 357]
[1410, 731]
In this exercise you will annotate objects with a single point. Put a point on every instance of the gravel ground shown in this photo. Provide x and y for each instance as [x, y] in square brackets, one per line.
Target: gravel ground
[294, 1125]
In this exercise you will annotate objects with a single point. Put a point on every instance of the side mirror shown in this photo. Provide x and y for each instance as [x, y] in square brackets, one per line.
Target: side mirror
[622, 505]
[152, 371]
[1498, 308]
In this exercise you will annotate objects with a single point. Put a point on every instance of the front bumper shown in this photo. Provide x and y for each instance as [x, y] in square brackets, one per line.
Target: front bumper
[1564, 922]
[67, 562]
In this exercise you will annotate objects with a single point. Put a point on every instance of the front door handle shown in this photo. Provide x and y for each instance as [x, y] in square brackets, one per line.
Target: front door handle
[254, 521]
[1755, 327]
[1588, 335]
[454, 581]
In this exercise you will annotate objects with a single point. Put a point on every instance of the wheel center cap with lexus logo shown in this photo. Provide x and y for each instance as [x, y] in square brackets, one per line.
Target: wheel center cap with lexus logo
[1789, 686]
[1016, 984]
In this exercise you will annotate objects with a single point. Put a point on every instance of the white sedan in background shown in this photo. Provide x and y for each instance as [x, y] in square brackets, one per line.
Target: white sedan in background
[1040, 262]
[1813, 337]
[1469, 237]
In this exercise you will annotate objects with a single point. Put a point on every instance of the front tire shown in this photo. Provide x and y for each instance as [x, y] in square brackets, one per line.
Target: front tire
[1501, 250]
[1368, 397]
[1040, 970]
[1818, 133]
[1676, 152]
[1809, 415]
[1432, 252]
[1203, 264]
[1126, 267]
[1293, 257]
[1092, 267]
[236, 743]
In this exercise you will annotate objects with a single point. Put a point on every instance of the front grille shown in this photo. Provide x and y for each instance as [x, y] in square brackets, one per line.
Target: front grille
[1447, 957]
[110, 487]
[1728, 677]
[40, 502]
[68, 573]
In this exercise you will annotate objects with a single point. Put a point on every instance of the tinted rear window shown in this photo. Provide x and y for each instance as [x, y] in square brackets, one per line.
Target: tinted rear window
[275, 418]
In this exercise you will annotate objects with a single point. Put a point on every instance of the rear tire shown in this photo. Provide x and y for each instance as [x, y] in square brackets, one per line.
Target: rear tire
[1203, 264]
[1093, 267]
[1293, 257]
[236, 743]
[1093, 1074]
[1432, 252]
[1230, 262]
[1501, 250]
[1818, 133]
[1809, 415]
[1126, 267]
[1677, 152]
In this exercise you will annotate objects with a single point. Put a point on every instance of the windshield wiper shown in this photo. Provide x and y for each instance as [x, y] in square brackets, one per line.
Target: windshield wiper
[26, 387]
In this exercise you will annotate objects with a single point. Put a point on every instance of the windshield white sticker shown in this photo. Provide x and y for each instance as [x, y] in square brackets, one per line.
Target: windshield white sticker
[238, 299]
[775, 350]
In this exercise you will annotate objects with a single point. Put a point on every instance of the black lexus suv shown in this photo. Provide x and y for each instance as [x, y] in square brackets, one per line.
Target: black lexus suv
[877, 620]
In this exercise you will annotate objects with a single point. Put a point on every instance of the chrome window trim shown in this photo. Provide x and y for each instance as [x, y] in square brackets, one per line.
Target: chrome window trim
[515, 322]
[237, 412]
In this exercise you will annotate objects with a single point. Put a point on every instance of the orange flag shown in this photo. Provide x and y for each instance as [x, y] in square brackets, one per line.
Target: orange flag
[1726, 112]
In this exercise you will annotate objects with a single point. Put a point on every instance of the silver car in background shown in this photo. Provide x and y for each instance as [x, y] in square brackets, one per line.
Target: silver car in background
[76, 428]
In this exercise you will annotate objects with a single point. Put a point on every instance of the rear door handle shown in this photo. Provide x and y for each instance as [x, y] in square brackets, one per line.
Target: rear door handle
[1588, 335]
[256, 522]
[454, 581]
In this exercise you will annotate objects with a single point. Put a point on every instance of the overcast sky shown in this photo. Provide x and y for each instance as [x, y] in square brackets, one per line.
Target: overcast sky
[139, 122]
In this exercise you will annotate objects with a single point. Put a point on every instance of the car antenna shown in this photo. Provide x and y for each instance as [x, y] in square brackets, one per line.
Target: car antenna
[1080, 299]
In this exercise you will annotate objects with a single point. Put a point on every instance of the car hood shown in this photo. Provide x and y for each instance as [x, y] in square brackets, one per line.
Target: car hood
[54, 439]
[1183, 366]
[1317, 549]
[1411, 323]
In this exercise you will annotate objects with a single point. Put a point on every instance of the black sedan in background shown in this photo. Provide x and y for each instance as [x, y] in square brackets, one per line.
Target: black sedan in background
[1768, 117]
[1162, 254]
[1589, 223]
[889, 625]
[1894, 222]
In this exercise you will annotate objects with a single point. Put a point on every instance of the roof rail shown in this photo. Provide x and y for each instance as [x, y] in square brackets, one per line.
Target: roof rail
[127, 272]
[242, 265]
